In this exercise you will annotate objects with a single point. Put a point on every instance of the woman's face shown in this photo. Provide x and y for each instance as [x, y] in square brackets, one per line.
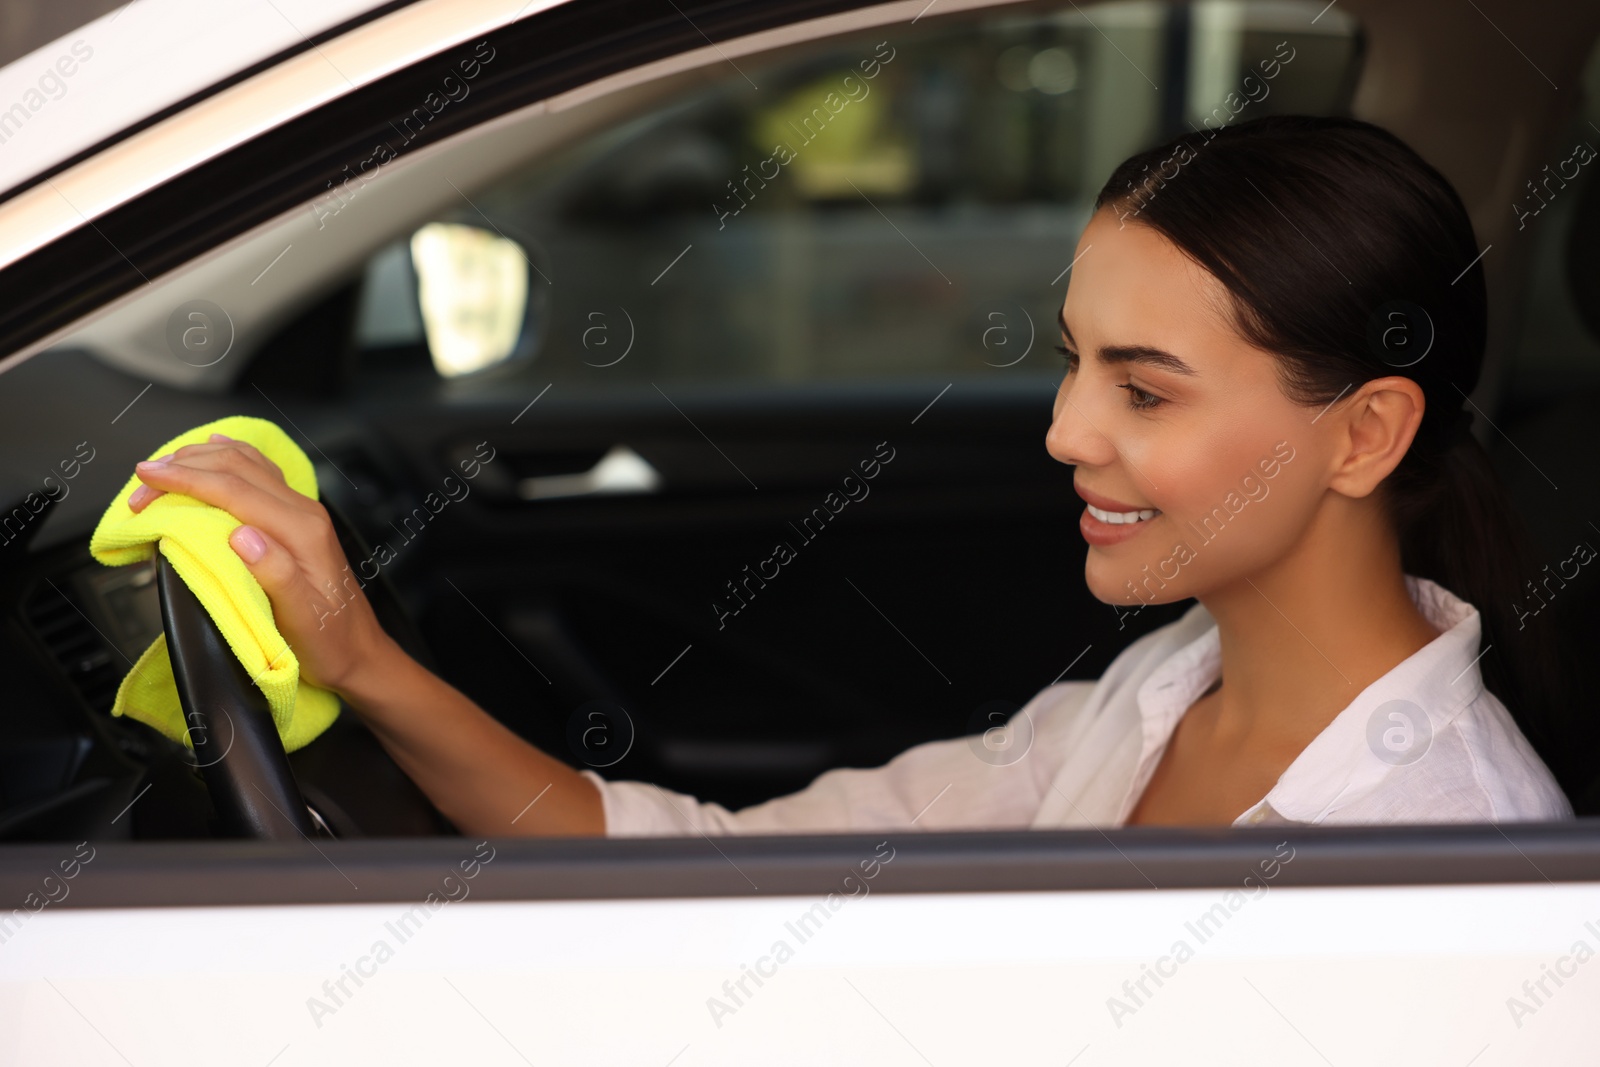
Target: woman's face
[1167, 409]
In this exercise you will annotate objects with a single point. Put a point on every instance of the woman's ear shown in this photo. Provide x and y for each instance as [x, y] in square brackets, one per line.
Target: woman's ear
[1377, 426]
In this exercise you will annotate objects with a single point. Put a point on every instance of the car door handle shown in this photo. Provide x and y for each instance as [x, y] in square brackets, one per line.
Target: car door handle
[621, 470]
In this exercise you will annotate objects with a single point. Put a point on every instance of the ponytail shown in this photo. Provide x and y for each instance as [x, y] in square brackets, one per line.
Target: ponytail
[1457, 527]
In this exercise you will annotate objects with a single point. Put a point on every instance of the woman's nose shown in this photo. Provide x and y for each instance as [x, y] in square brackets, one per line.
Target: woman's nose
[1073, 437]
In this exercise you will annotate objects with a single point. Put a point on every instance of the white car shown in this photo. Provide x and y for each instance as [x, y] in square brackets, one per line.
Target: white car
[561, 239]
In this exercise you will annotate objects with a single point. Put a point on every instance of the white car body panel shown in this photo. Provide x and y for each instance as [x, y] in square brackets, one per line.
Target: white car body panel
[1393, 975]
[234, 116]
[145, 57]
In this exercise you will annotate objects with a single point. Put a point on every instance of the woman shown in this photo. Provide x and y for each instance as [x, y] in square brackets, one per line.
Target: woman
[1269, 332]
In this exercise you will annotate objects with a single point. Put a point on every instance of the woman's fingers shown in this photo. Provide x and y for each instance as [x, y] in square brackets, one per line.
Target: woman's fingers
[144, 494]
[285, 531]
[241, 457]
[250, 452]
[245, 491]
[269, 561]
[234, 457]
[303, 610]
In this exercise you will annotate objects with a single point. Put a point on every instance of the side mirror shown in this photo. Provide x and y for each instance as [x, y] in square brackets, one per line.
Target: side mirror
[473, 294]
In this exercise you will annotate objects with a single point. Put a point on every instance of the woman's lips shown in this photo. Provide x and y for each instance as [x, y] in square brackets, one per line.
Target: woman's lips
[1103, 534]
[1097, 531]
[1105, 503]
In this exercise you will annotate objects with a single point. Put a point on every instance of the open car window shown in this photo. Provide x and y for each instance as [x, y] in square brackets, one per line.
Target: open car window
[642, 269]
[691, 305]
[571, 244]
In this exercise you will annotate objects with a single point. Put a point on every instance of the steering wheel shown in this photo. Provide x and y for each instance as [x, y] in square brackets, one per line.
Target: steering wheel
[230, 725]
[236, 744]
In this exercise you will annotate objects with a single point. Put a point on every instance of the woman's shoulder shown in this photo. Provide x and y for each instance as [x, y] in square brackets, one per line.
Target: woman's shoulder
[1473, 765]
[1515, 783]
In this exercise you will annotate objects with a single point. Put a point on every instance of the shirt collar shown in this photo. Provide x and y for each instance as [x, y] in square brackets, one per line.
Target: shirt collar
[1178, 680]
[1392, 722]
[1366, 740]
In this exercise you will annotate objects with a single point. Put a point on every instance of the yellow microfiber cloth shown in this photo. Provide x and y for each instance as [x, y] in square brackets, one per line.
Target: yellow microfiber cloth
[194, 537]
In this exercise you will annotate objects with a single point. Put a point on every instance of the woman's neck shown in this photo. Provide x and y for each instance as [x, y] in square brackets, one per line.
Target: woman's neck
[1302, 638]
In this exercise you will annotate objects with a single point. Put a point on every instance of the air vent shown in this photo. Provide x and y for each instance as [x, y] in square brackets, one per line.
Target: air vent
[93, 666]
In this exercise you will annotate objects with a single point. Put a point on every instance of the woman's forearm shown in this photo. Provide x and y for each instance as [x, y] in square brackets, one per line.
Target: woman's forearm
[484, 778]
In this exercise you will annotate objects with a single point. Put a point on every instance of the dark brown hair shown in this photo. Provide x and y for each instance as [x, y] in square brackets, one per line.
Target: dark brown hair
[1351, 258]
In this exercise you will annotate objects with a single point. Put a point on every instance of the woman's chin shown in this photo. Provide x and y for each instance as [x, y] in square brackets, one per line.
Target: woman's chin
[1118, 584]
[1107, 583]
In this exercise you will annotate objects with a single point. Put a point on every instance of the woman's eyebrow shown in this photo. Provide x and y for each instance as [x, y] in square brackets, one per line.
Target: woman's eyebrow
[1145, 354]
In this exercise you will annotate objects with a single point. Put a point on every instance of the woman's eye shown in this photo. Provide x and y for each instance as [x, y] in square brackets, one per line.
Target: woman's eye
[1138, 399]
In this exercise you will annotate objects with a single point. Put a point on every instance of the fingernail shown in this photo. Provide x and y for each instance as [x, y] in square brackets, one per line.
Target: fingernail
[140, 495]
[248, 543]
[220, 437]
[151, 465]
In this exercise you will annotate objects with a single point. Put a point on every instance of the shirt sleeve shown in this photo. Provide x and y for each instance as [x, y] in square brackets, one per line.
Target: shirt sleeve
[992, 780]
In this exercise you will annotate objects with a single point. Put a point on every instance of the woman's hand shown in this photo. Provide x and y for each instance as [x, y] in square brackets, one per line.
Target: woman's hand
[483, 777]
[287, 541]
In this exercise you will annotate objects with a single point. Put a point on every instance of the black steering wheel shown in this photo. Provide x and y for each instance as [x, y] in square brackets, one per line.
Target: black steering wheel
[235, 740]
[236, 744]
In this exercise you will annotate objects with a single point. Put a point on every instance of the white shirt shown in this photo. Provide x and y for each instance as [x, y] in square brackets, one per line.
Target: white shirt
[1425, 743]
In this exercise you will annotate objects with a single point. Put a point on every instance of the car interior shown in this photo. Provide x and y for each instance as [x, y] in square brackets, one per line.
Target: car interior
[668, 343]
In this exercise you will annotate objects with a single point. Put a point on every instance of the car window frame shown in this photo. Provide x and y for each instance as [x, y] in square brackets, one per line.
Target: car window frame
[557, 57]
[1132, 859]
